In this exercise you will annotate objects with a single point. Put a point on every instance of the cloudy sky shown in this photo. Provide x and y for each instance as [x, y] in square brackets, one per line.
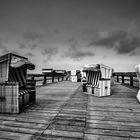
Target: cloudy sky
[66, 34]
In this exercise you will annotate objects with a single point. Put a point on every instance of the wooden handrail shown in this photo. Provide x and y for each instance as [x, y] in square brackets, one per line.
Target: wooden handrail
[123, 75]
[45, 77]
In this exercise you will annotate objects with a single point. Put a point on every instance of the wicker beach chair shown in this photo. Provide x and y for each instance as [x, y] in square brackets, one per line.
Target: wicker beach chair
[98, 79]
[16, 91]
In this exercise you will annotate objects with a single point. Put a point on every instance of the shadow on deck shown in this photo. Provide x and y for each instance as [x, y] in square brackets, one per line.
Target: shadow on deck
[64, 112]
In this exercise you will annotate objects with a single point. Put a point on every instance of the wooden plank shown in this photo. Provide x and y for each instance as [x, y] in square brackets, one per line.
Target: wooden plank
[124, 105]
[29, 118]
[120, 114]
[69, 118]
[70, 122]
[75, 109]
[114, 126]
[113, 122]
[51, 137]
[69, 111]
[72, 115]
[116, 101]
[113, 109]
[42, 111]
[23, 124]
[33, 113]
[103, 137]
[115, 119]
[61, 133]
[20, 130]
[14, 136]
[107, 132]
[67, 127]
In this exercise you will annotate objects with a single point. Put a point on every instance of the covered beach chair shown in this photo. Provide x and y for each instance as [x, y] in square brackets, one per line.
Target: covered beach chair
[75, 76]
[16, 91]
[137, 69]
[98, 79]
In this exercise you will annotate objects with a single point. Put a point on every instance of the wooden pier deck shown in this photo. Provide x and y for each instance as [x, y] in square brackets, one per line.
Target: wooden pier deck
[64, 112]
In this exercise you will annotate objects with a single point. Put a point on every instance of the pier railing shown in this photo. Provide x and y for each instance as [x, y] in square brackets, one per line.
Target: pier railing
[126, 78]
[42, 79]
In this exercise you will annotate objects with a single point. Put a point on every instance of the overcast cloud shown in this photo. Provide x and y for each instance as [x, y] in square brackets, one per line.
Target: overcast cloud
[72, 32]
[121, 41]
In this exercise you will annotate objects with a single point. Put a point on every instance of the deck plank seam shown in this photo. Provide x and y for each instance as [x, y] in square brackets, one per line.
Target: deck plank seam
[87, 96]
[53, 119]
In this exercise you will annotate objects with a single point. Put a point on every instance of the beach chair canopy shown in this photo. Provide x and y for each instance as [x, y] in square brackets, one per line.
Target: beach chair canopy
[91, 67]
[104, 71]
[18, 62]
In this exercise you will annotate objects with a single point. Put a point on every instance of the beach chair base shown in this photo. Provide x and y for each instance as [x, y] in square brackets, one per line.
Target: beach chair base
[13, 100]
[138, 96]
[103, 89]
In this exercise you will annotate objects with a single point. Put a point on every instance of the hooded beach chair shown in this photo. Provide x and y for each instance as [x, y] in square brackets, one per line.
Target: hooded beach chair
[98, 79]
[137, 69]
[16, 92]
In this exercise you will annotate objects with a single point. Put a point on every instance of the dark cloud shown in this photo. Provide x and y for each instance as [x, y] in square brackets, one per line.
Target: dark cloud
[78, 55]
[33, 46]
[31, 40]
[28, 54]
[128, 45]
[135, 52]
[15, 52]
[22, 46]
[2, 46]
[121, 41]
[32, 36]
[109, 39]
[73, 43]
[49, 51]
[104, 56]
[5, 50]
[131, 9]
[75, 52]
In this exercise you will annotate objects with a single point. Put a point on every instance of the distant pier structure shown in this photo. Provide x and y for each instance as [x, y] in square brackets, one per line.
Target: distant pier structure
[49, 72]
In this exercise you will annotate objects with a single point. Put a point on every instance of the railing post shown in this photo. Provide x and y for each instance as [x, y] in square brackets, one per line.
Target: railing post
[117, 78]
[62, 78]
[131, 80]
[122, 79]
[32, 78]
[44, 81]
[52, 77]
[58, 78]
